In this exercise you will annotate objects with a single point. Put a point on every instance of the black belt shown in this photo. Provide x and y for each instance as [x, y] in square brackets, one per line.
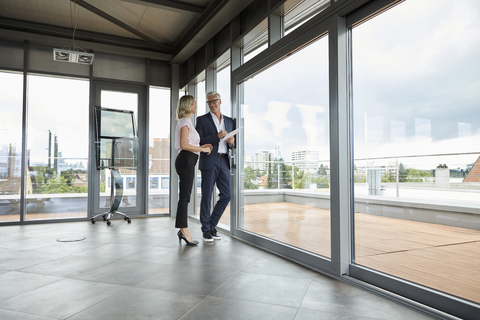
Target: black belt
[222, 155]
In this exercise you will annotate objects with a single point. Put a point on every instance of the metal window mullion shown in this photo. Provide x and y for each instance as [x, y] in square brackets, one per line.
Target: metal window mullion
[236, 101]
[340, 147]
[174, 96]
[275, 26]
[24, 167]
[210, 82]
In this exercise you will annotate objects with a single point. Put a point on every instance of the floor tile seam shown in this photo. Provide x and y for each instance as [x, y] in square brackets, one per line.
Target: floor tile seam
[277, 275]
[34, 289]
[73, 277]
[255, 301]
[200, 302]
[287, 264]
[227, 280]
[400, 301]
[35, 264]
[99, 301]
[363, 291]
[33, 314]
[347, 311]
[122, 258]
[39, 274]
[305, 294]
[143, 261]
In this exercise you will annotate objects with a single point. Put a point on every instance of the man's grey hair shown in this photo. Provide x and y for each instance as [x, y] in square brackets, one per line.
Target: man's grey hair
[211, 93]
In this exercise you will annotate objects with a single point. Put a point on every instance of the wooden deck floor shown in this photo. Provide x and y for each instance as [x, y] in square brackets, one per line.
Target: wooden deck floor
[440, 257]
[437, 256]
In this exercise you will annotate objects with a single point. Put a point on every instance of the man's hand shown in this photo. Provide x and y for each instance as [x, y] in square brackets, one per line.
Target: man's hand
[222, 134]
[231, 140]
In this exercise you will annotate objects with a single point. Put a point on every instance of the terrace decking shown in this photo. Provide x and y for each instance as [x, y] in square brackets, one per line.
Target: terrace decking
[440, 257]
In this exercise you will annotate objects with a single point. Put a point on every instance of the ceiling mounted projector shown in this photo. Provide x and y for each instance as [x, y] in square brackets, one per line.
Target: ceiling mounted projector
[72, 56]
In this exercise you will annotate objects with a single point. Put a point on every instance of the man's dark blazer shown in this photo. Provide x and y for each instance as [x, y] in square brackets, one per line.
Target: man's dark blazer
[208, 135]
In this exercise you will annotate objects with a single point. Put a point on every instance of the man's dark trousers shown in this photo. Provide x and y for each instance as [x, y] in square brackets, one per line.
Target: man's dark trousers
[220, 173]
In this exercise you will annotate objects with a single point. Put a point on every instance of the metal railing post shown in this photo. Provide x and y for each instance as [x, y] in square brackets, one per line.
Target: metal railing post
[397, 179]
[278, 174]
[293, 176]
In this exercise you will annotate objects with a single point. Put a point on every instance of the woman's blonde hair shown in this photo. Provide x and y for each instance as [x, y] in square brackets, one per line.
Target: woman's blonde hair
[183, 107]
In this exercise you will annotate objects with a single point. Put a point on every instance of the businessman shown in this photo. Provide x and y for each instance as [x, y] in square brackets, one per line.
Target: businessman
[215, 167]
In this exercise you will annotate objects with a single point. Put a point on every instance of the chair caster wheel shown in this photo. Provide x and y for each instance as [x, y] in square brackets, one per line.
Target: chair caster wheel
[93, 221]
[125, 218]
[109, 222]
[104, 218]
[129, 221]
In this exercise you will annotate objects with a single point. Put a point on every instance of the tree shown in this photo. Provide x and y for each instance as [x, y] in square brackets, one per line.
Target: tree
[402, 173]
[322, 170]
[249, 178]
[389, 177]
[300, 178]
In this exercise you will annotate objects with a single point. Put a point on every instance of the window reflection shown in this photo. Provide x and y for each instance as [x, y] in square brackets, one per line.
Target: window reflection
[416, 138]
[255, 41]
[297, 12]
[286, 164]
[11, 105]
[57, 160]
[223, 87]
[120, 100]
[159, 151]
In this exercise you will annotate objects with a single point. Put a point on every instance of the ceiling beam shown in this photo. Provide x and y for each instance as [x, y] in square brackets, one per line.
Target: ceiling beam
[46, 40]
[67, 33]
[216, 16]
[121, 24]
[169, 5]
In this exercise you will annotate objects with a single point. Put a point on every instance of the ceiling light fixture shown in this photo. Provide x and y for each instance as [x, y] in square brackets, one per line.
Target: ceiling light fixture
[72, 56]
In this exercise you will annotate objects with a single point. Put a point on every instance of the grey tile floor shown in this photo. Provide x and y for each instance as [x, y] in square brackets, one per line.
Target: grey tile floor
[139, 271]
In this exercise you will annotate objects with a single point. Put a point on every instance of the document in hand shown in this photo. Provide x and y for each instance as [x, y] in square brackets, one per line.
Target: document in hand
[230, 134]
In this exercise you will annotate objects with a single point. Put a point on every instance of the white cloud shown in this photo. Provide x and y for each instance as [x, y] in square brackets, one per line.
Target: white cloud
[277, 116]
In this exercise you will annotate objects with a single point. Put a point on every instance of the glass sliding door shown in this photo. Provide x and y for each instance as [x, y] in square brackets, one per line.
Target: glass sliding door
[130, 98]
[416, 98]
[56, 183]
[285, 161]
[223, 72]
[11, 106]
[159, 151]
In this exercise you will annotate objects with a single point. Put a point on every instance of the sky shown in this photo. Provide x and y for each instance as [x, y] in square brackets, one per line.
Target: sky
[287, 104]
[64, 99]
[416, 91]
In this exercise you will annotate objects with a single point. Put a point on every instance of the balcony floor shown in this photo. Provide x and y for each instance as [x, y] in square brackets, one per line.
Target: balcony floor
[437, 256]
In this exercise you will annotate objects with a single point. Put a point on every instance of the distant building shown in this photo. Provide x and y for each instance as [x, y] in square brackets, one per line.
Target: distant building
[305, 159]
[278, 153]
[390, 168]
[159, 156]
[260, 160]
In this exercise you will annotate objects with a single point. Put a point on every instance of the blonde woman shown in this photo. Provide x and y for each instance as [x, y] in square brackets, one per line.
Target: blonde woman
[187, 143]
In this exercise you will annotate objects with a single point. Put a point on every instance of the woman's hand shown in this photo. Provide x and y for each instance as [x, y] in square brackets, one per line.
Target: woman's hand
[207, 148]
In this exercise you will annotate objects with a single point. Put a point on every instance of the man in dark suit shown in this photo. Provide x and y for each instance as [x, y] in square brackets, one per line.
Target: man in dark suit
[215, 167]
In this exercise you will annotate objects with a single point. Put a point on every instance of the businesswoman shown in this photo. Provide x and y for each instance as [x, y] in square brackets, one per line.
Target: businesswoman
[187, 142]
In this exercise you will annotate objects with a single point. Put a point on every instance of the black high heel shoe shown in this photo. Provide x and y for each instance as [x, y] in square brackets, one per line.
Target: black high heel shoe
[182, 236]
